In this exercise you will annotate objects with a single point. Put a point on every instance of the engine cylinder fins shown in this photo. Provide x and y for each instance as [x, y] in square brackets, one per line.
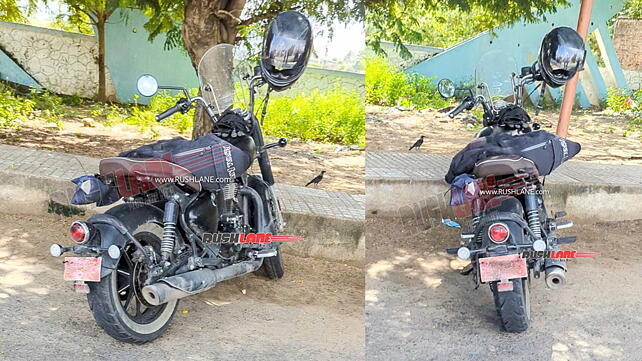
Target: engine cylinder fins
[230, 191]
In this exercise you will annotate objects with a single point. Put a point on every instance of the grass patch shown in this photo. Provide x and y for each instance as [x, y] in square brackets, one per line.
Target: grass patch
[334, 116]
[626, 103]
[387, 86]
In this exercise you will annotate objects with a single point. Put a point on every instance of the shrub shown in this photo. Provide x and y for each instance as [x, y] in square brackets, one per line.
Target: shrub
[13, 109]
[389, 87]
[626, 102]
[618, 100]
[144, 116]
[335, 116]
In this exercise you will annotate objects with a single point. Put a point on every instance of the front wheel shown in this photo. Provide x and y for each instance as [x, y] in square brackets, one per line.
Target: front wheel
[513, 307]
[117, 303]
[273, 266]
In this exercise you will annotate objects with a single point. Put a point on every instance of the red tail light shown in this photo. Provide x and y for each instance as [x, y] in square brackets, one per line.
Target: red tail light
[79, 232]
[498, 232]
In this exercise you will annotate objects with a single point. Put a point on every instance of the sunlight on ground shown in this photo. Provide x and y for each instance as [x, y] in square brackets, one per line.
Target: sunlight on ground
[583, 347]
[18, 272]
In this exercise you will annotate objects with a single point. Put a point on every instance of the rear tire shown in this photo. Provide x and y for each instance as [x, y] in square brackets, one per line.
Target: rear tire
[513, 307]
[106, 297]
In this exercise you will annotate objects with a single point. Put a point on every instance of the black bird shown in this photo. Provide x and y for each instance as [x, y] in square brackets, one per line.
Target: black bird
[418, 143]
[316, 179]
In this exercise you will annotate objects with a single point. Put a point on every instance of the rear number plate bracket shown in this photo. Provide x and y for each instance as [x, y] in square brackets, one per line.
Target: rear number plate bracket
[502, 268]
[82, 269]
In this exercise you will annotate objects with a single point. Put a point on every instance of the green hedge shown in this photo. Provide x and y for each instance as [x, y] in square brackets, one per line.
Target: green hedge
[334, 116]
[389, 87]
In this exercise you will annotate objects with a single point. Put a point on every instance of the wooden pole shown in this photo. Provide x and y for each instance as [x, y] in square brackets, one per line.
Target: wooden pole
[570, 89]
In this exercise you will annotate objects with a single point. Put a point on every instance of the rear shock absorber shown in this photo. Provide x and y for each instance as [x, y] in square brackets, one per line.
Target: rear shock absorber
[532, 213]
[169, 229]
[474, 224]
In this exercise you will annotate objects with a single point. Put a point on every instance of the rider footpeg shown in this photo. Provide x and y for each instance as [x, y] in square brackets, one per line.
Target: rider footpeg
[282, 142]
[563, 224]
[265, 253]
[560, 214]
[566, 240]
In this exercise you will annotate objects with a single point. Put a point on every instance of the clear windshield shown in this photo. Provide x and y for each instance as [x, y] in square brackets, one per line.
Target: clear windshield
[224, 73]
[493, 76]
[215, 73]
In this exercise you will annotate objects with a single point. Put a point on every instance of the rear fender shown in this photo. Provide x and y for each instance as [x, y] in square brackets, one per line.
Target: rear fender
[516, 224]
[132, 216]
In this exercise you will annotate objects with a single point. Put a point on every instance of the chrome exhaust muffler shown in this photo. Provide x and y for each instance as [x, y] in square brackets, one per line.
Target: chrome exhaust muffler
[555, 277]
[193, 282]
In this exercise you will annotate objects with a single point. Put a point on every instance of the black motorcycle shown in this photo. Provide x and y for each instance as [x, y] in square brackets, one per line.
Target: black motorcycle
[510, 233]
[191, 215]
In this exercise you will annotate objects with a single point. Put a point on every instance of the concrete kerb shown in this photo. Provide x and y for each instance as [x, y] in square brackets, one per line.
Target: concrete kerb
[333, 238]
[404, 197]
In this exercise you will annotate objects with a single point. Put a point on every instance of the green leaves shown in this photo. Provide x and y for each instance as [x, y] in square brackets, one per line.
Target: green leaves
[334, 116]
[445, 23]
[388, 87]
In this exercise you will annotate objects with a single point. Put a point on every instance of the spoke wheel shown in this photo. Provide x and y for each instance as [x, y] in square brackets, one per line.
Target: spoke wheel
[117, 303]
[130, 280]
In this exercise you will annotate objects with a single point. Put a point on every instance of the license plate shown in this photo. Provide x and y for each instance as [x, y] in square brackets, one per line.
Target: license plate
[502, 268]
[82, 269]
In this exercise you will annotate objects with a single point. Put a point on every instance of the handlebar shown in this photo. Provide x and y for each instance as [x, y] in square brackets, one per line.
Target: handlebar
[466, 104]
[182, 105]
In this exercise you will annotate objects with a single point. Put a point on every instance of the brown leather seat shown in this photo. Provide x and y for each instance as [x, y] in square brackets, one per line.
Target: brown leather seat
[503, 165]
[147, 170]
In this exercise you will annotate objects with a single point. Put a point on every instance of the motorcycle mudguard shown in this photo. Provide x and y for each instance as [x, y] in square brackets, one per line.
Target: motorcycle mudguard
[132, 215]
[263, 189]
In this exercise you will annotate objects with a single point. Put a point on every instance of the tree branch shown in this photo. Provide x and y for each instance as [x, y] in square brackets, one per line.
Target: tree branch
[266, 15]
[227, 17]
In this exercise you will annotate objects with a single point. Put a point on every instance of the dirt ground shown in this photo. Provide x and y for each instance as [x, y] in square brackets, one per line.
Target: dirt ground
[603, 138]
[295, 164]
[418, 306]
[314, 313]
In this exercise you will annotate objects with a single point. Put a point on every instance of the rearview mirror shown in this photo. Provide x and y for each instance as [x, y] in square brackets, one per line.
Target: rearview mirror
[147, 85]
[446, 88]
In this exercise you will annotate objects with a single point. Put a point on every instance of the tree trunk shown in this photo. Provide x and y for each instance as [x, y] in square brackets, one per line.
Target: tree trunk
[102, 88]
[207, 24]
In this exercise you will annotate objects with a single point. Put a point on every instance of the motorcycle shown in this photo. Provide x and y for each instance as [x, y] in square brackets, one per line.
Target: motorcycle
[191, 215]
[510, 234]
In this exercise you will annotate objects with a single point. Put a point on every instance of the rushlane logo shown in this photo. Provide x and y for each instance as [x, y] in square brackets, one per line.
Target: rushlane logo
[566, 254]
[244, 238]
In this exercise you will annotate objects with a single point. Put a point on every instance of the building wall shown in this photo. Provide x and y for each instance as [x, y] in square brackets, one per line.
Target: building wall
[66, 63]
[62, 62]
[521, 42]
[626, 39]
[324, 79]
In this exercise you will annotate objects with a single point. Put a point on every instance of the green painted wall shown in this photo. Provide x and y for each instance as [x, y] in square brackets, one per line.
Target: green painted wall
[129, 54]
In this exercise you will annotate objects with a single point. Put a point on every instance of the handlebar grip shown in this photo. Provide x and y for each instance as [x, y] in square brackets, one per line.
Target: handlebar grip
[465, 104]
[168, 113]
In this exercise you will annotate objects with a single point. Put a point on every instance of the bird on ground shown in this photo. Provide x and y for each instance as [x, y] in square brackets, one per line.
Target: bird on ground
[418, 143]
[316, 179]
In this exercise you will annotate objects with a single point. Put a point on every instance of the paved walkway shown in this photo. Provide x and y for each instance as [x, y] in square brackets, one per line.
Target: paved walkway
[416, 166]
[45, 164]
